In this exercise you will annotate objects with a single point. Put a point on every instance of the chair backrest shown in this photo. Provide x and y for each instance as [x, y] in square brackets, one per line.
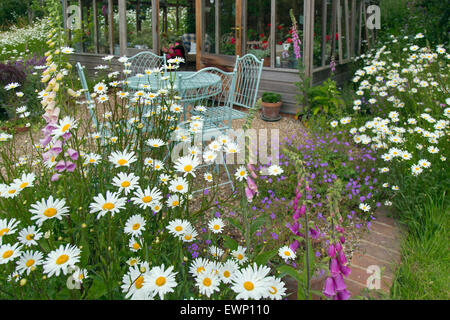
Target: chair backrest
[146, 60]
[210, 87]
[84, 85]
[248, 75]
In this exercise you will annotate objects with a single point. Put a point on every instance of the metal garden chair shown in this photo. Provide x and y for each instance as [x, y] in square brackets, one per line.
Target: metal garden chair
[213, 89]
[248, 75]
[146, 60]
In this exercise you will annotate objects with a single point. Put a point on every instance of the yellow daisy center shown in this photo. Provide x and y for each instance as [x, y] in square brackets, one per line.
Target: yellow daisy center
[242, 173]
[178, 228]
[160, 281]
[226, 274]
[136, 226]
[249, 286]
[188, 168]
[147, 199]
[66, 127]
[7, 254]
[187, 237]
[91, 160]
[136, 246]
[179, 187]
[274, 291]
[122, 162]
[29, 237]
[200, 269]
[50, 212]
[108, 206]
[62, 259]
[29, 263]
[240, 256]
[207, 282]
[287, 253]
[4, 231]
[125, 184]
[23, 185]
[139, 282]
[216, 227]
[175, 203]
[12, 191]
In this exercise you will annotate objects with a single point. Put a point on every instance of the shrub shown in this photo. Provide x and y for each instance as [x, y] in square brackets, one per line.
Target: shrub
[271, 97]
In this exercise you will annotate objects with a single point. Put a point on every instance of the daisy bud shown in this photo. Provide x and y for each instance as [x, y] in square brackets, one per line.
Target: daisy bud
[23, 282]
[83, 225]
[47, 235]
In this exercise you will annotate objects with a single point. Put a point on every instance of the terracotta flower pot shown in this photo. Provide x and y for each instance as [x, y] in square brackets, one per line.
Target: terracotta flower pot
[271, 111]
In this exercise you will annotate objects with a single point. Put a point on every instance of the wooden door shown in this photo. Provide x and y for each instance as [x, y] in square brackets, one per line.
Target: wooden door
[219, 33]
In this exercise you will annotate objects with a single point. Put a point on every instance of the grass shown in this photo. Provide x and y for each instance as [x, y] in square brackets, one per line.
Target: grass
[424, 272]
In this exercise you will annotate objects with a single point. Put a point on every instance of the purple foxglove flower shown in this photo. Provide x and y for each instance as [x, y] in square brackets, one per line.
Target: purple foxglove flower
[302, 210]
[70, 166]
[334, 267]
[54, 177]
[343, 295]
[331, 251]
[342, 258]
[46, 140]
[66, 136]
[338, 246]
[314, 233]
[60, 166]
[249, 194]
[342, 239]
[251, 169]
[294, 245]
[73, 154]
[345, 270]
[329, 289]
[251, 184]
[296, 214]
[294, 228]
[57, 147]
[339, 282]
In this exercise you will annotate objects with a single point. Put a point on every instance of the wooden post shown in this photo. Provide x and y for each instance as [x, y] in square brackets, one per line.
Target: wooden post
[95, 17]
[198, 31]
[308, 39]
[238, 27]
[217, 26]
[80, 5]
[339, 28]
[333, 27]
[177, 15]
[111, 26]
[352, 29]
[273, 48]
[347, 29]
[123, 27]
[155, 26]
[244, 26]
[360, 27]
[324, 31]
[366, 30]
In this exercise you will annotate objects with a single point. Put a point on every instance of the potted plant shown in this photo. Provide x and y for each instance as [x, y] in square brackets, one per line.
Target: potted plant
[271, 105]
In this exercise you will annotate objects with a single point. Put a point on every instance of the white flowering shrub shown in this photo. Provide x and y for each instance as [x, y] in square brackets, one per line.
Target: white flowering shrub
[403, 111]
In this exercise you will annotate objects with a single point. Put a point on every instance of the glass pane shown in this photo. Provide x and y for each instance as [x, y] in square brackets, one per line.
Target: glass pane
[258, 29]
[219, 37]
[285, 55]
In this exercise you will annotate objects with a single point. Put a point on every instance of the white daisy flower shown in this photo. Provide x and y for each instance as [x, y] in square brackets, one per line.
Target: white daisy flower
[227, 270]
[252, 283]
[135, 225]
[48, 209]
[275, 170]
[216, 252]
[29, 236]
[241, 173]
[155, 143]
[364, 207]
[29, 260]
[112, 204]
[216, 225]
[61, 259]
[7, 227]
[63, 126]
[179, 185]
[239, 255]
[125, 182]
[286, 253]
[178, 227]
[122, 158]
[208, 282]
[173, 201]
[133, 285]
[160, 280]
[187, 165]
[144, 198]
[9, 252]
[277, 289]
[135, 244]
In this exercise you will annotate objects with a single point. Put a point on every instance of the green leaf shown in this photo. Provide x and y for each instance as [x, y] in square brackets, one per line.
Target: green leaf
[229, 243]
[235, 223]
[264, 257]
[256, 224]
[291, 272]
[97, 290]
